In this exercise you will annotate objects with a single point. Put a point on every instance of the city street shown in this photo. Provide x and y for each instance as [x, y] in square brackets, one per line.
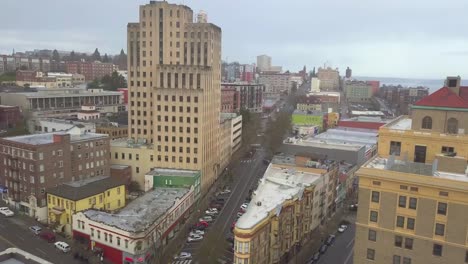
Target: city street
[341, 251]
[14, 232]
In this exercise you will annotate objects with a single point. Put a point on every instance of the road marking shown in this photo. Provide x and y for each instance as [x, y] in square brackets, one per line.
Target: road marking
[350, 242]
[21, 238]
[41, 251]
[349, 257]
[8, 241]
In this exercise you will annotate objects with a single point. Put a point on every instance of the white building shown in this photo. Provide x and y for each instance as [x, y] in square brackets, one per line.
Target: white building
[263, 63]
[44, 125]
[315, 84]
[88, 112]
[137, 233]
[62, 79]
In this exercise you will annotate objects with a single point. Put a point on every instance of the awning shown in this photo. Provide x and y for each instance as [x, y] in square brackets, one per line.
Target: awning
[56, 211]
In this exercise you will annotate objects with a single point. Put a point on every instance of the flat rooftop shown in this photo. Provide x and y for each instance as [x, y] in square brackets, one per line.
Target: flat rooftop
[48, 138]
[277, 185]
[402, 123]
[323, 143]
[367, 113]
[340, 136]
[142, 212]
[414, 168]
[79, 190]
[128, 143]
[173, 172]
[18, 256]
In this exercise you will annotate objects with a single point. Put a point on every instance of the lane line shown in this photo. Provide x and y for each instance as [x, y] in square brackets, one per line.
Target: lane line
[349, 257]
[350, 242]
[41, 251]
[7, 241]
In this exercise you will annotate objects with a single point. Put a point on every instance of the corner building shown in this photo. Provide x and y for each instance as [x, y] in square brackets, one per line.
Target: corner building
[174, 69]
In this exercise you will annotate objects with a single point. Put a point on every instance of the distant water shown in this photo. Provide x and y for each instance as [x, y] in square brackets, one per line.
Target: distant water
[432, 84]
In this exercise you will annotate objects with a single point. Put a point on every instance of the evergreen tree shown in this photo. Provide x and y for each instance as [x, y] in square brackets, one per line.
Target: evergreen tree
[55, 55]
[105, 58]
[73, 56]
[313, 73]
[96, 55]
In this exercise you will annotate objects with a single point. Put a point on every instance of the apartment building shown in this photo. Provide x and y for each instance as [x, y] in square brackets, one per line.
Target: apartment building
[293, 198]
[263, 63]
[174, 69]
[358, 91]
[10, 116]
[33, 163]
[90, 70]
[412, 197]
[35, 78]
[100, 192]
[276, 82]
[237, 96]
[12, 63]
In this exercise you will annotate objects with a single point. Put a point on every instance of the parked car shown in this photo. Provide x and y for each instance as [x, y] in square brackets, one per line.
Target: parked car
[220, 200]
[47, 236]
[342, 228]
[194, 238]
[330, 240]
[323, 248]
[233, 225]
[239, 214]
[244, 206]
[62, 246]
[201, 225]
[212, 211]
[183, 256]
[197, 232]
[6, 211]
[216, 205]
[206, 218]
[225, 191]
[35, 229]
[316, 256]
[230, 238]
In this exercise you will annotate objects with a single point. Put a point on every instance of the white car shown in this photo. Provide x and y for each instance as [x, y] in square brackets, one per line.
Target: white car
[207, 219]
[244, 206]
[194, 238]
[342, 228]
[6, 211]
[226, 191]
[212, 211]
[197, 233]
[183, 255]
[62, 246]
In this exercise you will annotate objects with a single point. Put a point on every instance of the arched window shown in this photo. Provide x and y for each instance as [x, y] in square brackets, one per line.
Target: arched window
[452, 126]
[427, 122]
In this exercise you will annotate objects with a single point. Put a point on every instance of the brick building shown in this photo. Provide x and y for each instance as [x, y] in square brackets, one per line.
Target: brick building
[237, 96]
[91, 70]
[33, 163]
[10, 116]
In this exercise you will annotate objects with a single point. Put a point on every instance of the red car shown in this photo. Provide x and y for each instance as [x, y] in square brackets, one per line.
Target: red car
[47, 236]
[203, 224]
[233, 225]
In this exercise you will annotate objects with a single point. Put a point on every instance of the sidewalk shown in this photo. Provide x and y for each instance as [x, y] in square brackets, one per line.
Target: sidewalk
[320, 234]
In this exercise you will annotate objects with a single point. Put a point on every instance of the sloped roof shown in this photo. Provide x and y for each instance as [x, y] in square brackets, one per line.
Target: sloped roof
[444, 97]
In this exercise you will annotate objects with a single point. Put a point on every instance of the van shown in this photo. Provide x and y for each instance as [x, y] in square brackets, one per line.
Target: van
[47, 236]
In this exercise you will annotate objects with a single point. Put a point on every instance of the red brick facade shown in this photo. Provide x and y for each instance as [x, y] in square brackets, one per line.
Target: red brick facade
[90, 70]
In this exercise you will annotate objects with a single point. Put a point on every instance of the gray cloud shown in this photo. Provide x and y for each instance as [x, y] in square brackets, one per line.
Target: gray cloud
[417, 38]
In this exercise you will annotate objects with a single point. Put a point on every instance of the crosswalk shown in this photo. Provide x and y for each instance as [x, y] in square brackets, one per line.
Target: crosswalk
[185, 261]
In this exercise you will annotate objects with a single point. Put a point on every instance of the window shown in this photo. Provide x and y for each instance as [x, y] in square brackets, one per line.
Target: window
[118, 241]
[439, 229]
[398, 241]
[400, 221]
[408, 243]
[442, 208]
[437, 250]
[376, 183]
[447, 150]
[413, 203]
[375, 196]
[452, 126]
[466, 256]
[406, 260]
[396, 259]
[395, 148]
[410, 223]
[374, 216]
[370, 254]
[372, 236]
[427, 122]
[402, 201]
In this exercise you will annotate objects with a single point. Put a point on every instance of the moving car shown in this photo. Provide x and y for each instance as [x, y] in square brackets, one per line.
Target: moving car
[183, 255]
[35, 229]
[194, 238]
[62, 246]
[6, 211]
[342, 228]
[47, 236]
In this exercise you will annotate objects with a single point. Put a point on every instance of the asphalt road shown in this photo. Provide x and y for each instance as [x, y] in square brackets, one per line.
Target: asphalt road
[341, 252]
[14, 232]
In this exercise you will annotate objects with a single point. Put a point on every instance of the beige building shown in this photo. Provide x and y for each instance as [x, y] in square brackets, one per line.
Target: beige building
[329, 79]
[358, 91]
[276, 82]
[263, 63]
[413, 197]
[174, 78]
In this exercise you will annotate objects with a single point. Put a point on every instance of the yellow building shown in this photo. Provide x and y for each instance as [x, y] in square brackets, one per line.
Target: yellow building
[290, 202]
[333, 119]
[413, 197]
[100, 192]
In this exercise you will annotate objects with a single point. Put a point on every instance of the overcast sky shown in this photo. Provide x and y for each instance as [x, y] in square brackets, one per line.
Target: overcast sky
[382, 38]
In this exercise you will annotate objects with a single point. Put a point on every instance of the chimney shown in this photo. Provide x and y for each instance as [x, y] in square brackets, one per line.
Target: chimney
[453, 83]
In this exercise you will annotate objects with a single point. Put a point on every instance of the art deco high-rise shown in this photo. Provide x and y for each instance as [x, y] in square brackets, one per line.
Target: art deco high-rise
[174, 69]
